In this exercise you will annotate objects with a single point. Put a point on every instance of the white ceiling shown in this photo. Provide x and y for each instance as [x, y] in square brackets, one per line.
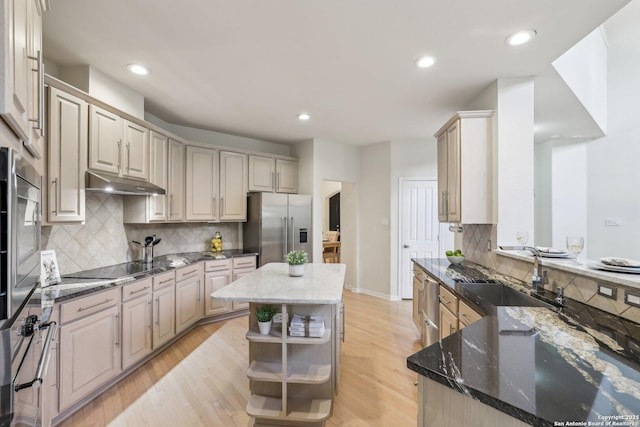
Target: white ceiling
[247, 67]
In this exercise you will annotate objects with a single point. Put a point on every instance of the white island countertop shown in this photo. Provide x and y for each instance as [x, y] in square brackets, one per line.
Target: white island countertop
[271, 283]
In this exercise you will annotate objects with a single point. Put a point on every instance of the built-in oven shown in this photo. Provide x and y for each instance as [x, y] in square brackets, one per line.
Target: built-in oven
[26, 350]
[19, 232]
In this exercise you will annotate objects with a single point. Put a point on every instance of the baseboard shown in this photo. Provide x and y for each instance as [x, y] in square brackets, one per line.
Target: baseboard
[374, 294]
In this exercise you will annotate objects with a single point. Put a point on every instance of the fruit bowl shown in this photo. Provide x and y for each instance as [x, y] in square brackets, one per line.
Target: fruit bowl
[455, 259]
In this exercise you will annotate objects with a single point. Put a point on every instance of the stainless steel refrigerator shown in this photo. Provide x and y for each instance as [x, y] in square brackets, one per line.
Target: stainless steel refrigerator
[276, 224]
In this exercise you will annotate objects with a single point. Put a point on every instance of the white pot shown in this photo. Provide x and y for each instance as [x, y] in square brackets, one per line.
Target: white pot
[265, 327]
[296, 270]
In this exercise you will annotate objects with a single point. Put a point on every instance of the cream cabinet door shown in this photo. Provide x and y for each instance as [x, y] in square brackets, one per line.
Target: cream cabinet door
[189, 304]
[453, 172]
[158, 175]
[136, 151]
[105, 140]
[286, 176]
[442, 177]
[202, 184]
[164, 315]
[213, 282]
[16, 65]
[67, 159]
[233, 186]
[136, 330]
[176, 179]
[262, 173]
[89, 354]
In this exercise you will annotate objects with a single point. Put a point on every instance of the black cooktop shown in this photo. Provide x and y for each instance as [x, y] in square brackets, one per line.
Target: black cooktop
[118, 271]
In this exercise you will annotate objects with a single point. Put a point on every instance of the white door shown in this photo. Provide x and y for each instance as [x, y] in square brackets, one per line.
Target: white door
[419, 227]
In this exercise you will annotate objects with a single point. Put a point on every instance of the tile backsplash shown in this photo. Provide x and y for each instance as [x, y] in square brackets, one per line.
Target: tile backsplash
[104, 240]
[577, 287]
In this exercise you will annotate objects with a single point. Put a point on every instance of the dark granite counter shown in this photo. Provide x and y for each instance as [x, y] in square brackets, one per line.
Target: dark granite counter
[86, 282]
[539, 365]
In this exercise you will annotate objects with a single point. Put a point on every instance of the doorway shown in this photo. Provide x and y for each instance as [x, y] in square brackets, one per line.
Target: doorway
[334, 212]
[420, 233]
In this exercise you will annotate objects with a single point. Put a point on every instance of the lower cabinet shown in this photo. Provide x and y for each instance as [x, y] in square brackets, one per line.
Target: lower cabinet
[136, 321]
[454, 313]
[90, 345]
[241, 267]
[217, 276]
[164, 308]
[448, 322]
[189, 296]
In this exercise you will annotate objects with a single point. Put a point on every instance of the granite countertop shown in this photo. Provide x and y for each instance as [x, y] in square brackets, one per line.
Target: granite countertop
[271, 283]
[541, 366]
[86, 282]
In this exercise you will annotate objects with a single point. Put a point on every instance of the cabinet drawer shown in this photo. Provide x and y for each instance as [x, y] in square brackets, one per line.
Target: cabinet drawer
[449, 300]
[136, 289]
[188, 272]
[92, 304]
[466, 314]
[417, 272]
[217, 265]
[244, 262]
[164, 279]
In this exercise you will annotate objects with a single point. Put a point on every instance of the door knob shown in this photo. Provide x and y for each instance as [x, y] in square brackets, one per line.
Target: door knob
[406, 246]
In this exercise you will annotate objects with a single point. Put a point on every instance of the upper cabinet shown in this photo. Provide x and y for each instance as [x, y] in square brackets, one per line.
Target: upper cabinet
[465, 177]
[67, 158]
[233, 186]
[158, 175]
[21, 64]
[176, 183]
[202, 184]
[269, 174]
[118, 146]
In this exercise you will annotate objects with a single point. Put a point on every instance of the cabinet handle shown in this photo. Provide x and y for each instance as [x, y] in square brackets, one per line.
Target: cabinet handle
[446, 203]
[40, 70]
[452, 329]
[55, 195]
[139, 290]
[95, 305]
[128, 156]
[198, 290]
[158, 311]
[343, 332]
[444, 300]
[170, 203]
[151, 318]
[117, 330]
[273, 180]
[191, 272]
[222, 204]
[277, 181]
[119, 151]
[165, 281]
[464, 316]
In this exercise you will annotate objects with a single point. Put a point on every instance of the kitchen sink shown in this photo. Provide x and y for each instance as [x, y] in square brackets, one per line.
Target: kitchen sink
[501, 295]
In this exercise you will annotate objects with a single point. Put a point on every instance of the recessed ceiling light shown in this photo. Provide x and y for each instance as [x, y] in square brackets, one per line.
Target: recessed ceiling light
[521, 37]
[425, 62]
[138, 69]
[304, 116]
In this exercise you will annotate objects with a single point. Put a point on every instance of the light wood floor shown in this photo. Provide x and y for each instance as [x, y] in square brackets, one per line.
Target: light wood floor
[201, 379]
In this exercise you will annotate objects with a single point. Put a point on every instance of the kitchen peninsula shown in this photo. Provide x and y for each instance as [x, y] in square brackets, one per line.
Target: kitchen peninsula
[292, 379]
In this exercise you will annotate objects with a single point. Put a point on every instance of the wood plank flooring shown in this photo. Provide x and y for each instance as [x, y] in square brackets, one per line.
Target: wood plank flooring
[201, 379]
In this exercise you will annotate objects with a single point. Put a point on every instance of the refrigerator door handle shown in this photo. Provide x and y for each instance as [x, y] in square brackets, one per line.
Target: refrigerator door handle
[293, 235]
[286, 238]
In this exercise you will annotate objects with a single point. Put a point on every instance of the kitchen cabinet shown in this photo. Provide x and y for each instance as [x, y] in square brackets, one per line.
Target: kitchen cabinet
[158, 175]
[465, 177]
[136, 321]
[117, 146]
[241, 267]
[176, 186]
[418, 302]
[268, 174]
[286, 176]
[90, 345]
[21, 64]
[189, 296]
[164, 308]
[448, 313]
[201, 184]
[467, 315]
[67, 157]
[217, 276]
[233, 186]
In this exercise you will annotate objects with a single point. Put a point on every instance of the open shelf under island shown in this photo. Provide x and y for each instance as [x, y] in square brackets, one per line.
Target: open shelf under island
[292, 379]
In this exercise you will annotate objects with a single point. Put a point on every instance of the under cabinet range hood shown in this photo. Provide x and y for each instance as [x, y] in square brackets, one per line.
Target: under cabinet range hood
[113, 184]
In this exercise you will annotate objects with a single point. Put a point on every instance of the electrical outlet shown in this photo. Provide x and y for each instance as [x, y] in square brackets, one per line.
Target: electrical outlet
[612, 222]
[277, 318]
[632, 298]
[607, 291]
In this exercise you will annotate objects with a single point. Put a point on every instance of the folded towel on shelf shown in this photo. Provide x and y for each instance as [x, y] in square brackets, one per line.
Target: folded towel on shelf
[620, 262]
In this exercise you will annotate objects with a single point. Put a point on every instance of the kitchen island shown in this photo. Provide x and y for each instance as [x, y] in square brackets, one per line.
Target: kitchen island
[527, 365]
[292, 379]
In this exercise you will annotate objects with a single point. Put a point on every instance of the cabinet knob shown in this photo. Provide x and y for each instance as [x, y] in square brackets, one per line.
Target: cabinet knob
[406, 246]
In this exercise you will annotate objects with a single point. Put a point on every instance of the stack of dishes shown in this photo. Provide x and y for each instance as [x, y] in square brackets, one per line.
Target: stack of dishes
[618, 265]
[547, 252]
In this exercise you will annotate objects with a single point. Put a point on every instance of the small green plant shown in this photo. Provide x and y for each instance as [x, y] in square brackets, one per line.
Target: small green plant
[297, 258]
[265, 313]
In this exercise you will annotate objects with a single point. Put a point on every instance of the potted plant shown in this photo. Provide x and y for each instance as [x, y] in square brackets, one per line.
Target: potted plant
[296, 261]
[264, 314]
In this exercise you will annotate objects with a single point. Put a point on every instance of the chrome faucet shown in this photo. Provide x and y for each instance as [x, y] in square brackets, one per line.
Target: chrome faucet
[560, 295]
[537, 284]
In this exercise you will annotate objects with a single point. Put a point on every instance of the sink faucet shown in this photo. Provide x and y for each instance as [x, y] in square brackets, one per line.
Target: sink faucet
[537, 284]
[560, 295]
